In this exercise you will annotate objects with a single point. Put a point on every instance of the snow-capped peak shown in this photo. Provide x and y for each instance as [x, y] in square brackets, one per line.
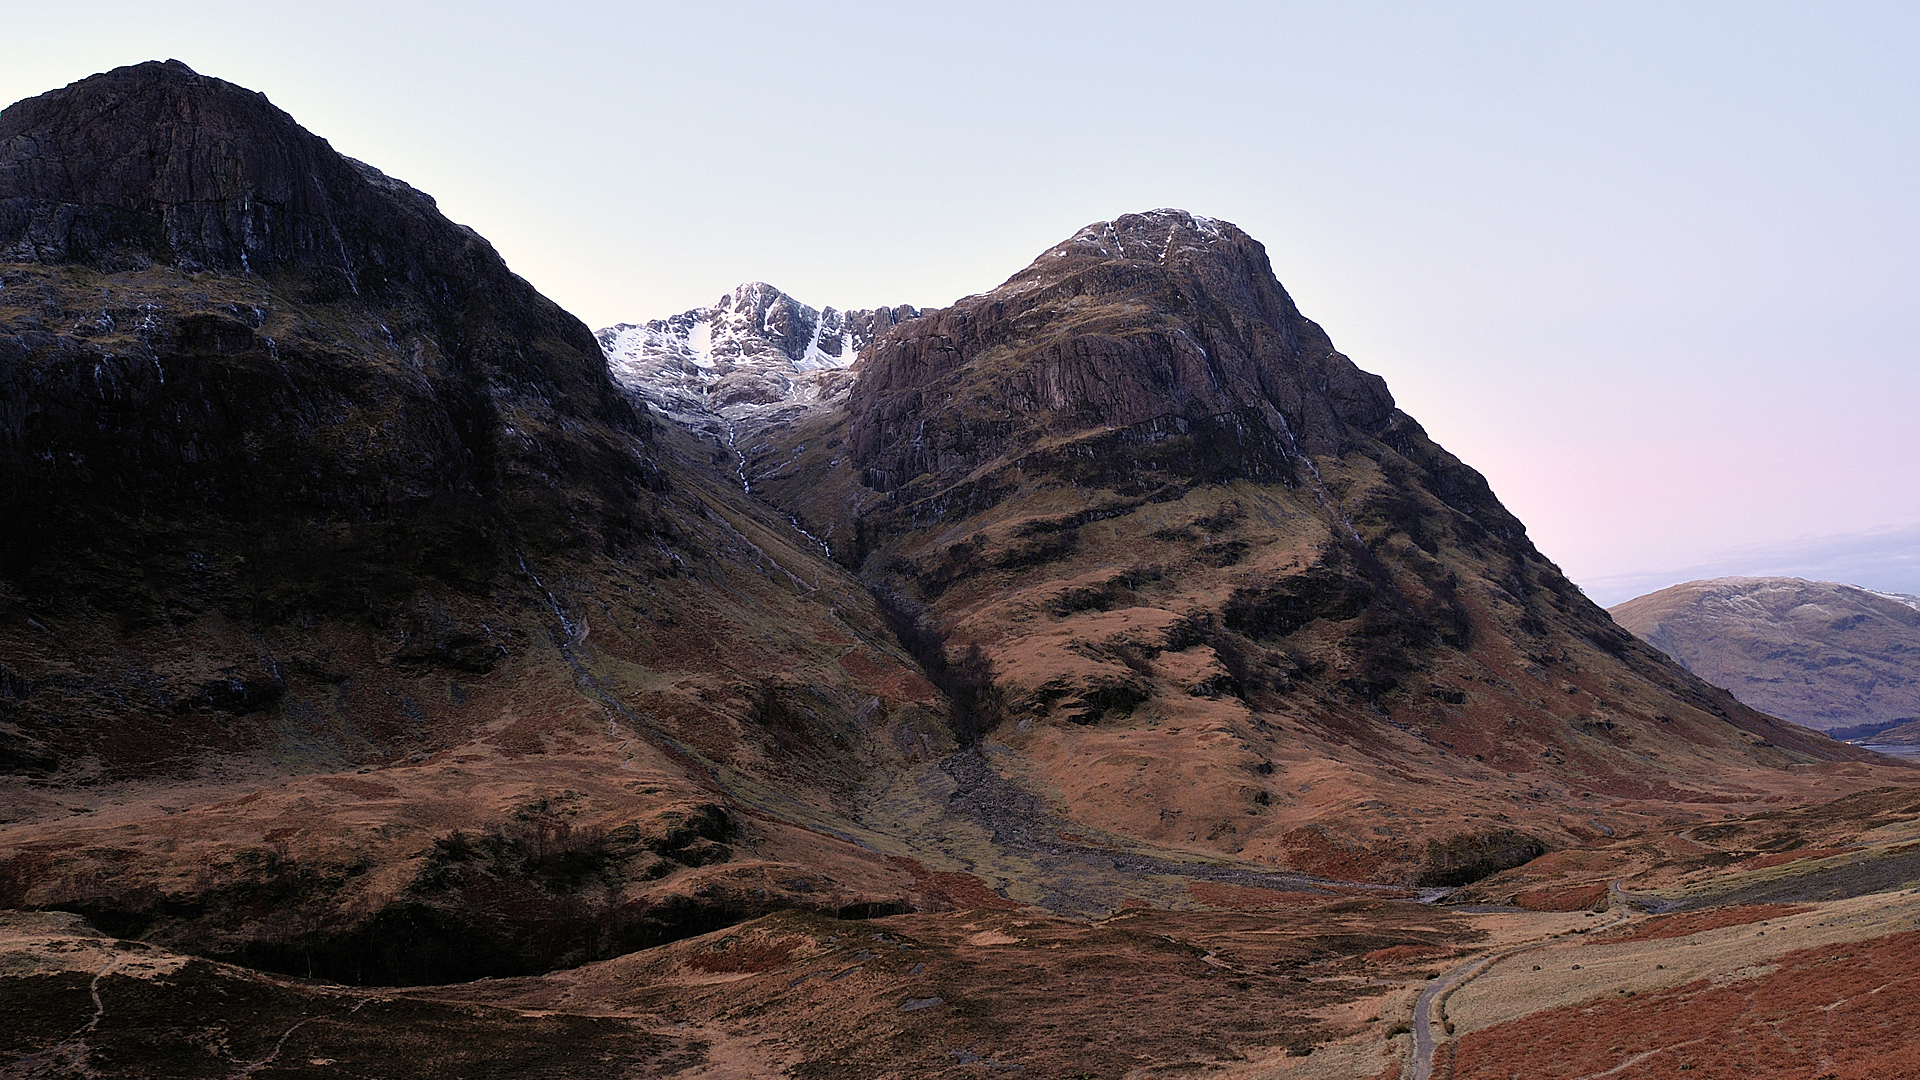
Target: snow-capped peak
[755, 357]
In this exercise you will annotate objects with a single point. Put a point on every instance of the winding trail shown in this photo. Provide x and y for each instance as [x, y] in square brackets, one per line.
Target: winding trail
[252, 1067]
[1429, 1011]
[71, 1056]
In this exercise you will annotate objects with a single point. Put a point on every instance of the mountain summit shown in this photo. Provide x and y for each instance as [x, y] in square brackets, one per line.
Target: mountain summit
[1164, 333]
[154, 163]
[755, 357]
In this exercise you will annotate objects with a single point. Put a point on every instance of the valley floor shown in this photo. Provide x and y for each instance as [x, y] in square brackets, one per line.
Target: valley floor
[1291, 985]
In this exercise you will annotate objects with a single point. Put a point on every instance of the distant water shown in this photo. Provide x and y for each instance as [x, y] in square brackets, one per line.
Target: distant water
[1893, 751]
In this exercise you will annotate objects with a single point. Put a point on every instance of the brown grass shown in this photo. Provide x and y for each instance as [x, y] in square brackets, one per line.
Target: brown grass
[967, 892]
[1592, 896]
[1245, 898]
[1695, 922]
[1846, 1011]
[1405, 952]
[742, 957]
[1782, 858]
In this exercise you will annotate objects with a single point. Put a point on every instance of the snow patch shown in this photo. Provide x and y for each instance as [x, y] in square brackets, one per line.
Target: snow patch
[754, 358]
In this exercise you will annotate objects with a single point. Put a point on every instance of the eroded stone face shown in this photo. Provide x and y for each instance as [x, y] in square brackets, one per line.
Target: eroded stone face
[1163, 327]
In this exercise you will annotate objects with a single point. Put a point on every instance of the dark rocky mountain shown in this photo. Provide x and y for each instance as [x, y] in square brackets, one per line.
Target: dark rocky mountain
[223, 337]
[316, 506]
[1819, 653]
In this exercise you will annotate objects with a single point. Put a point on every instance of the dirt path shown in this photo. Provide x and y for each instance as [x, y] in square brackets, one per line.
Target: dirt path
[1429, 1011]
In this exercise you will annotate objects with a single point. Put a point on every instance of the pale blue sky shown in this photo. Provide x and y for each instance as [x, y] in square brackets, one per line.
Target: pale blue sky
[1650, 266]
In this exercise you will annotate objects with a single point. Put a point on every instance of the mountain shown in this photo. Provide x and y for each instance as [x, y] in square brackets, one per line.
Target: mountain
[1905, 734]
[1192, 579]
[352, 620]
[755, 358]
[1819, 653]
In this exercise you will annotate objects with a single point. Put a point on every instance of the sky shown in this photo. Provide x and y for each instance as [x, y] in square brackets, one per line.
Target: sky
[1653, 268]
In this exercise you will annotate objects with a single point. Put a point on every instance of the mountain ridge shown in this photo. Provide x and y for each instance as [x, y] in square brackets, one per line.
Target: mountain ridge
[1132, 492]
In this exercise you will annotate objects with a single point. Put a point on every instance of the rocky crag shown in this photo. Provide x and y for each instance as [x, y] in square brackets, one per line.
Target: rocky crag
[1835, 657]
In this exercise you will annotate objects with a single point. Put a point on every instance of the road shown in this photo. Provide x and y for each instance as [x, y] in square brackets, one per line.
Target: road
[1429, 1010]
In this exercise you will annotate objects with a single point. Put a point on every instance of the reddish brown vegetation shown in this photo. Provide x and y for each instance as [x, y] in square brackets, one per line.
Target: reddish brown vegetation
[366, 789]
[734, 956]
[1694, 922]
[1840, 1012]
[1405, 952]
[1310, 850]
[1243, 898]
[965, 891]
[953, 891]
[1592, 896]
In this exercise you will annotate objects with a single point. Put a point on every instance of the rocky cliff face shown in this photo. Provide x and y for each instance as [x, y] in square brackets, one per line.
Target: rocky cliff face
[216, 323]
[1165, 333]
[757, 357]
[1201, 580]
[316, 506]
[1815, 652]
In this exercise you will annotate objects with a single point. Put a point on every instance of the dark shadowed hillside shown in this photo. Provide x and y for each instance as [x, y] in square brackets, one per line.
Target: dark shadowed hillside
[351, 621]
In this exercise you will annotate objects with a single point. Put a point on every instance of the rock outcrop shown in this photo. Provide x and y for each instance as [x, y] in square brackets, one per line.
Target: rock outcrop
[1165, 333]
[289, 351]
[1819, 653]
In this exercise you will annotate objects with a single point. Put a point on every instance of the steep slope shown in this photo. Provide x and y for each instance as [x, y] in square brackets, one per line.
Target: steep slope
[1194, 581]
[756, 357]
[351, 619]
[1815, 652]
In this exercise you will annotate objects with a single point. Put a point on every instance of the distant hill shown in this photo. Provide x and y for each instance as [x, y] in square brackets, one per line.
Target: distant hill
[1907, 734]
[1836, 657]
